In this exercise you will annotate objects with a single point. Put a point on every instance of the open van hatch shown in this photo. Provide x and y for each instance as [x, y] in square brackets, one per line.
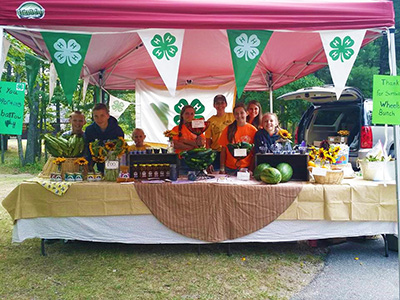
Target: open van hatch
[324, 95]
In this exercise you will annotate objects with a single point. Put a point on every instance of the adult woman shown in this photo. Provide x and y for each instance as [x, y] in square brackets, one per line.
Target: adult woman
[254, 112]
[268, 135]
[238, 131]
[185, 140]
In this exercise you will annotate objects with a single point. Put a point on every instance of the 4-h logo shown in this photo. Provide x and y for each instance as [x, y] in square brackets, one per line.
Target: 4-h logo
[67, 52]
[342, 50]
[164, 46]
[117, 106]
[247, 46]
[199, 108]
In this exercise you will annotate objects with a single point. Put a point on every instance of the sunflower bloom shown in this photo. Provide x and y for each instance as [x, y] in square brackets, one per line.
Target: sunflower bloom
[59, 160]
[110, 146]
[283, 133]
[330, 159]
[81, 161]
[311, 156]
[322, 154]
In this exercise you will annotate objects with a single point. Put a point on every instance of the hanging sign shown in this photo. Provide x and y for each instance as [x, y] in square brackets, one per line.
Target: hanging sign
[68, 53]
[341, 50]
[12, 97]
[246, 49]
[165, 48]
[386, 100]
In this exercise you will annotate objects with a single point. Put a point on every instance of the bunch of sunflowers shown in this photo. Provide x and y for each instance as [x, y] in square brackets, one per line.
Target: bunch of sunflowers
[325, 158]
[100, 152]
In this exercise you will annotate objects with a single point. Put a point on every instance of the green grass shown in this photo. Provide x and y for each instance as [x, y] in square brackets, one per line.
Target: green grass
[12, 164]
[83, 270]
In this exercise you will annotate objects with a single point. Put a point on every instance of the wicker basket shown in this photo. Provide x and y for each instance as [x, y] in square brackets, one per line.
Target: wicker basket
[332, 177]
[67, 167]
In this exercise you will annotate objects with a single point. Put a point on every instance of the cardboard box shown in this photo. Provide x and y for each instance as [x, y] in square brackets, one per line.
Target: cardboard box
[317, 143]
[337, 139]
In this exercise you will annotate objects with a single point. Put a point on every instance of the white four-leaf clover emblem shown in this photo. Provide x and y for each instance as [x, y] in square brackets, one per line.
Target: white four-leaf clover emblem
[247, 46]
[67, 52]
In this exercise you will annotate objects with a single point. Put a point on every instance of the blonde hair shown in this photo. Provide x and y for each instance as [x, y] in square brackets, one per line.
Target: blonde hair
[278, 127]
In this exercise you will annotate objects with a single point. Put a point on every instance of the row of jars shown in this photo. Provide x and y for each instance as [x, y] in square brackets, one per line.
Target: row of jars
[145, 171]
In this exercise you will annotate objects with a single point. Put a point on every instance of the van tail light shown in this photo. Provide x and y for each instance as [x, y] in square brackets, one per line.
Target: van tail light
[366, 137]
[296, 135]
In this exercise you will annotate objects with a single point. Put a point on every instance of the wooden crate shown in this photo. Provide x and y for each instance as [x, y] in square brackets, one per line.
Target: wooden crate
[297, 161]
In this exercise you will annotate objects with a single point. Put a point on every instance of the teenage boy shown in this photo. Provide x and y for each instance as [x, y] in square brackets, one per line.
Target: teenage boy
[77, 120]
[104, 128]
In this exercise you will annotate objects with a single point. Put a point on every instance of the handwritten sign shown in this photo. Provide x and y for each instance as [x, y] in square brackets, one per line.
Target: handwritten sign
[12, 97]
[386, 100]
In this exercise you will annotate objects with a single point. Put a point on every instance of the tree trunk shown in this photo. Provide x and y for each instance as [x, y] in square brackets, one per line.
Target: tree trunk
[20, 151]
[31, 143]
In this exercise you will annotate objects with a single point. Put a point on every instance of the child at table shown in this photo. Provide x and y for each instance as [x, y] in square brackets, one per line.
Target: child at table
[185, 140]
[218, 123]
[238, 131]
[138, 137]
[268, 135]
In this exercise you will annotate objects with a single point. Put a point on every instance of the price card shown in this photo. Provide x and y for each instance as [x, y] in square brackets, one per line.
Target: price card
[319, 171]
[111, 164]
[198, 124]
[240, 153]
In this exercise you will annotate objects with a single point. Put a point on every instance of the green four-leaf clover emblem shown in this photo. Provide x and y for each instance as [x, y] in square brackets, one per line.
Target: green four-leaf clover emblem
[199, 108]
[164, 47]
[118, 106]
[247, 46]
[67, 51]
[341, 50]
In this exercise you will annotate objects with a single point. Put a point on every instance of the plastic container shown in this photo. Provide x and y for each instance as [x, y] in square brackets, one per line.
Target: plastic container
[173, 172]
[377, 170]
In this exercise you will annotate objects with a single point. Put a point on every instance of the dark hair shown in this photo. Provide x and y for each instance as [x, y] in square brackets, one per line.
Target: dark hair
[257, 120]
[181, 118]
[100, 106]
[232, 128]
[220, 97]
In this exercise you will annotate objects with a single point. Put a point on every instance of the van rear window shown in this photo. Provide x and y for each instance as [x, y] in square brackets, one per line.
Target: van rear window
[326, 117]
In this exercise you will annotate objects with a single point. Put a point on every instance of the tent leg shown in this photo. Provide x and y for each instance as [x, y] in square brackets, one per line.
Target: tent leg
[229, 250]
[42, 247]
[386, 245]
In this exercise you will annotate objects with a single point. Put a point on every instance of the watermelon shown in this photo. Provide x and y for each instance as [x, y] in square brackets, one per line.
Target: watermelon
[286, 171]
[271, 175]
[259, 169]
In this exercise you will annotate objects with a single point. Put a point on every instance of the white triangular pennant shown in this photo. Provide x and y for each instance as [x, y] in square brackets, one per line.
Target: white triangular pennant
[117, 106]
[165, 48]
[341, 50]
[5, 45]
[52, 80]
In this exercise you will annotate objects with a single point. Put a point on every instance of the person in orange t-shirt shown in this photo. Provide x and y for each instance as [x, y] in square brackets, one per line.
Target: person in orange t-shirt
[185, 140]
[238, 131]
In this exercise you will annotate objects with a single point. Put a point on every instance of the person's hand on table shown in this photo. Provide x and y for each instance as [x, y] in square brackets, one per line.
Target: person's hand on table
[222, 170]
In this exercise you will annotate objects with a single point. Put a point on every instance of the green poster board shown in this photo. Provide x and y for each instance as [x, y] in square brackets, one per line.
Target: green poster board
[386, 100]
[12, 97]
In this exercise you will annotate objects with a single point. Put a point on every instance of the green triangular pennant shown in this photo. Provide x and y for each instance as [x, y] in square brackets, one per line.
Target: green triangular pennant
[246, 49]
[32, 65]
[68, 53]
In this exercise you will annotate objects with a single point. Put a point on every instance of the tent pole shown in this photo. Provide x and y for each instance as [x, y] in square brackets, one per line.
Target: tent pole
[396, 132]
[271, 101]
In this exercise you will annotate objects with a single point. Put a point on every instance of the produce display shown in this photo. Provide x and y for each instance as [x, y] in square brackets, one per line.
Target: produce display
[241, 145]
[259, 169]
[271, 175]
[58, 146]
[286, 171]
[199, 159]
[283, 172]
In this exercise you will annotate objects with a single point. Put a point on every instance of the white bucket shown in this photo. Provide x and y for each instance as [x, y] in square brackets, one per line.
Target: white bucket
[377, 170]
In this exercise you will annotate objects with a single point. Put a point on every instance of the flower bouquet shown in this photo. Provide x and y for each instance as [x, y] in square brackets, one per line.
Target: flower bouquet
[283, 144]
[170, 134]
[109, 153]
[322, 165]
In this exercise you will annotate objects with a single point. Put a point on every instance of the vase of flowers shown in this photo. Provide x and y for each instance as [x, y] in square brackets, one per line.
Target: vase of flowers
[285, 141]
[58, 162]
[110, 153]
[170, 134]
[81, 162]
